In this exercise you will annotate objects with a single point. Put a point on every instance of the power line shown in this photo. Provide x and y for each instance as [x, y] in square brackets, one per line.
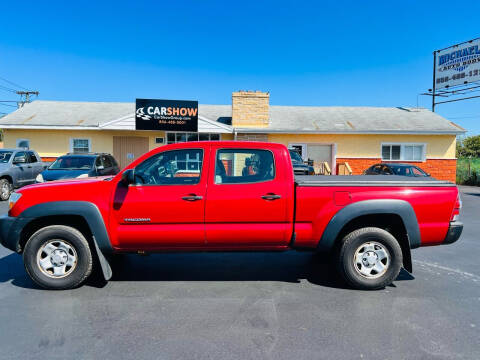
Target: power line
[12, 83]
[7, 89]
[9, 105]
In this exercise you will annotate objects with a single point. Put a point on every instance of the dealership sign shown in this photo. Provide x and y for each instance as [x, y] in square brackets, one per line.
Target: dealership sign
[171, 115]
[457, 65]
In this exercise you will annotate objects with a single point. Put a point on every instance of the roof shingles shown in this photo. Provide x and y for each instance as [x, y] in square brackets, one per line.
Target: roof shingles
[282, 118]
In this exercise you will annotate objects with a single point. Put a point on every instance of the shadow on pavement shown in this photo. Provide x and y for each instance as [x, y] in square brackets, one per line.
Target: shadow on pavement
[11, 269]
[290, 266]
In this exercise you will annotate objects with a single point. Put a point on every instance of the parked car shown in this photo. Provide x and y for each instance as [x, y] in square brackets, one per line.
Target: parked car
[371, 222]
[18, 167]
[78, 166]
[395, 169]
[299, 167]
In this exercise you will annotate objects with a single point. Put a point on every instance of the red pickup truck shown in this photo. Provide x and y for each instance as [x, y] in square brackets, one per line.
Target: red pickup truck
[227, 196]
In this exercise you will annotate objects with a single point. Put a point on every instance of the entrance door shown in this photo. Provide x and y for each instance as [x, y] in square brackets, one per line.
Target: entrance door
[128, 148]
[321, 154]
[165, 208]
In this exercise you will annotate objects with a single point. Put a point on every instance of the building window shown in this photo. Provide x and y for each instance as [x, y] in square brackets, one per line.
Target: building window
[23, 143]
[159, 140]
[403, 152]
[177, 137]
[80, 145]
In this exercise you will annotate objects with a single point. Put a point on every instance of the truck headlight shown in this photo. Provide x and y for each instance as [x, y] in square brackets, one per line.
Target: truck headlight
[13, 199]
[82, 176]
[39, 178]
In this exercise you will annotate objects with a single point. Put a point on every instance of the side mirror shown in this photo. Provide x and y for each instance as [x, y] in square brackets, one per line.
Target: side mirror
[128, 177]
[19, 160]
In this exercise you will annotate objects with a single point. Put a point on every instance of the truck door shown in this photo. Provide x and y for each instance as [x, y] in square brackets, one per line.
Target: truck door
[247, 200]
[165, 206]
[21, 169]
[36, 166]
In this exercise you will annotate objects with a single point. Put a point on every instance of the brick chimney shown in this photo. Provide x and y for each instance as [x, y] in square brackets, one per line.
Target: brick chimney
[250, 109]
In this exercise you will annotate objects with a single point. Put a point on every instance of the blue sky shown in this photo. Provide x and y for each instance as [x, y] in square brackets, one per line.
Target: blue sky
[324, 53]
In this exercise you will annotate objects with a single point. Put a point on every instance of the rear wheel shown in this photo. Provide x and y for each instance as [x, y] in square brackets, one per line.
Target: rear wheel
[369, 258]
[58, 257]
[5, 189]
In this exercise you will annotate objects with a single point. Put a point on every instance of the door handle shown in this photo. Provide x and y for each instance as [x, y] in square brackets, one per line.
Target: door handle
[271, 196]
[192, 197]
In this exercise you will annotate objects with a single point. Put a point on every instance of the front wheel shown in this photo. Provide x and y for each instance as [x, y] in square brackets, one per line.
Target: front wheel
[58, 257]
[5, 189]
[370, 258]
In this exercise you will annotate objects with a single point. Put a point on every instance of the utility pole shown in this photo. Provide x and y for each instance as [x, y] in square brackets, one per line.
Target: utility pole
[434, 85]
[27, 97]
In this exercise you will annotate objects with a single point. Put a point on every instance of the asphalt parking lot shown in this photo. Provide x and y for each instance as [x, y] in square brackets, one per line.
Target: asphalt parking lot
[250, 306]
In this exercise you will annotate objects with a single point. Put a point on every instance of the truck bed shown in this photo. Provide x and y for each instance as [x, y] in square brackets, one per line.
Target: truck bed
[369, 180]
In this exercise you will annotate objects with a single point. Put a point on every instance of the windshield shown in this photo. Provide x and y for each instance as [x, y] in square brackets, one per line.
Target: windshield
[5, 156]
[72, 163]
[295, 156]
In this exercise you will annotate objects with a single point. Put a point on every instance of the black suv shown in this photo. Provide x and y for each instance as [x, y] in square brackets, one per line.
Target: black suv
[79, 166]
[299, 167]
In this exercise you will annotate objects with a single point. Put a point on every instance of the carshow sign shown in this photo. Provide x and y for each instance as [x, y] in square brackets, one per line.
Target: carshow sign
[171, 115]
[457, 65]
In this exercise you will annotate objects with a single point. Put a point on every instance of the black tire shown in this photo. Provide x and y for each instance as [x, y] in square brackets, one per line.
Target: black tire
[5, 184]
[73, 238]
[350, 270]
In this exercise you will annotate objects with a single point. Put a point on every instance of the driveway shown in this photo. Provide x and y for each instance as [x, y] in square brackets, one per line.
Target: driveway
[250, 306]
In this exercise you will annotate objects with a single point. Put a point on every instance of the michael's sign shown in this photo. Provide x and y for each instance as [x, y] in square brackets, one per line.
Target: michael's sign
[172, 115]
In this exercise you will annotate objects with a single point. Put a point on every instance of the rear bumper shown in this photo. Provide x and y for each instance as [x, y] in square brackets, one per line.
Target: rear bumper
[454, 232]
[10, 230]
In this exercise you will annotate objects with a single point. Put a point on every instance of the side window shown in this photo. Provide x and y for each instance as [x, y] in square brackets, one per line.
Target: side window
[242, 166]
[98, 161]
[377, 169]
[19, 156]
[177, 167]
[31, 157]
[114, 162]
[417, 172]
[106, 161]
[387, 171]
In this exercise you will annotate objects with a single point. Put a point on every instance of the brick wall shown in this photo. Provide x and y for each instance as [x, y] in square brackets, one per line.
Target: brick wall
[442, 169]
[250, 109]
[252, 137]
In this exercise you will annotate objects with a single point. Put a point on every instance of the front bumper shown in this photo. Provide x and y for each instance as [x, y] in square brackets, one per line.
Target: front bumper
[454, 232]
[10, 231]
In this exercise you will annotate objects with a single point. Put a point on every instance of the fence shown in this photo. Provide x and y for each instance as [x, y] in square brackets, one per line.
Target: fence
[468, 171]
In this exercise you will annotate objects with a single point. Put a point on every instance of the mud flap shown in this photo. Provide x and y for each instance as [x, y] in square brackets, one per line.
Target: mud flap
[106, 268]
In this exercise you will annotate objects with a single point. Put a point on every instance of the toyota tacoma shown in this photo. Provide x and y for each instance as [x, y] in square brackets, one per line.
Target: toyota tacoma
[227, 196]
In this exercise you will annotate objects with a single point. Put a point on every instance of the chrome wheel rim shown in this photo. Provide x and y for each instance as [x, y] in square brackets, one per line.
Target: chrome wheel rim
[371, 260]
[5, 190]
[57, 258]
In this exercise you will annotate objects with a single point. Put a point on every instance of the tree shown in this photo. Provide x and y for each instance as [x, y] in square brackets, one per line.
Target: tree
[469, 147]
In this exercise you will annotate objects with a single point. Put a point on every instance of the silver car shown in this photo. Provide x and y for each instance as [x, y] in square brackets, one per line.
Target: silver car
[18, 167]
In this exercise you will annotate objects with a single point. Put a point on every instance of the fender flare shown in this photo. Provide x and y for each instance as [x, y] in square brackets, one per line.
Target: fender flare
[92, 216]
[370, 207]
